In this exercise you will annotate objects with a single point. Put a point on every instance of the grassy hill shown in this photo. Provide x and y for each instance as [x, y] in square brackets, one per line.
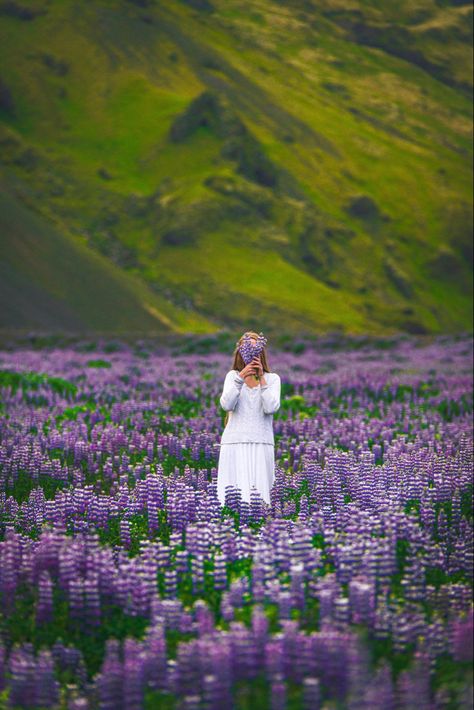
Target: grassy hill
[235, 164]
[62, 285]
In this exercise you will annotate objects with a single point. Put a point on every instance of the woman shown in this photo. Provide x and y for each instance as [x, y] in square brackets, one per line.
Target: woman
[247, 448]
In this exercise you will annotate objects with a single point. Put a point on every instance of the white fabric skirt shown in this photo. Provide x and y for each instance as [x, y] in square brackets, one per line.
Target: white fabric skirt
[244, 465]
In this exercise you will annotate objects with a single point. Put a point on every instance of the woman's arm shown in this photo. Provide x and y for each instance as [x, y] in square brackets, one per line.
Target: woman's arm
[270, 394]
[230, 394]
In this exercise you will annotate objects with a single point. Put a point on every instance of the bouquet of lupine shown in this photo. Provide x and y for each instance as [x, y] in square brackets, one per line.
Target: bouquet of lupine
[249, 351]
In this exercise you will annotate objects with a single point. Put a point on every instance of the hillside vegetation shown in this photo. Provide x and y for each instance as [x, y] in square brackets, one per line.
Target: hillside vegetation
[203, 164]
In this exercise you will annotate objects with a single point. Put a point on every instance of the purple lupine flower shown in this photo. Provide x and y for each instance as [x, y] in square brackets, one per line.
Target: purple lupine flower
[278, 693]
[44, 611]
[462, 637]
[109, 683]
[311, 699]
[47, 687]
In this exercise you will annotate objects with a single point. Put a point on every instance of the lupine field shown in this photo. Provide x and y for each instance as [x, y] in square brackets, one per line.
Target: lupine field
[125, 585]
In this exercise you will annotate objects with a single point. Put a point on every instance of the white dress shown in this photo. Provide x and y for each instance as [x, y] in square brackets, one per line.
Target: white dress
[247, 448]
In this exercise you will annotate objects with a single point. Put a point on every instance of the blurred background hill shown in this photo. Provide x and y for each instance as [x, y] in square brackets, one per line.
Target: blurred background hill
[188, 166]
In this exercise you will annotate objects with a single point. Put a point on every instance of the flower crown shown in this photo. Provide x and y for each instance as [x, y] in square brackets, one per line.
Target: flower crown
[249, 351]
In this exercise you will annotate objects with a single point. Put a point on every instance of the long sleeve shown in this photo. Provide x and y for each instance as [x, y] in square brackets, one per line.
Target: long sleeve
[270, 394]
[232, 387]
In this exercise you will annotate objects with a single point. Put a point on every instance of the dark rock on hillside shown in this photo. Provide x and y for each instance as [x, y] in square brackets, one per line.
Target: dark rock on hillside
[413, 327]
[179, 237]
[363, 207]
[201, 5]
[57, 66]
[447, 265]
[142, 3]
[398, 278]
[251, 161]
[207, 110]
[393, 38]
[104, 174]
[336, 88]
[6, 99]
[453, 3]
[210, 62]
[20, 12]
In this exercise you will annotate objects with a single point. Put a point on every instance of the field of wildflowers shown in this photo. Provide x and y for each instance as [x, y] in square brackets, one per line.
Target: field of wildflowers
[125, 585]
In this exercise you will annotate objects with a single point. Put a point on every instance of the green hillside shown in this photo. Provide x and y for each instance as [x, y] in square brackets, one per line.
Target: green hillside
[231, 163]
[64, 286]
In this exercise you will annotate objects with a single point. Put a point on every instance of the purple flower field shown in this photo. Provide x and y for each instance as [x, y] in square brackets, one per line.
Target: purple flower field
[124, 584]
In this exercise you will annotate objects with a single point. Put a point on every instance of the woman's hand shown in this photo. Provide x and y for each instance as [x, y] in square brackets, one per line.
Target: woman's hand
[259, 366]
[249, 370]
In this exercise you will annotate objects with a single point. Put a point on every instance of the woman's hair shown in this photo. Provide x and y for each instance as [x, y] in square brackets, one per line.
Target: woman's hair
[239, 363]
